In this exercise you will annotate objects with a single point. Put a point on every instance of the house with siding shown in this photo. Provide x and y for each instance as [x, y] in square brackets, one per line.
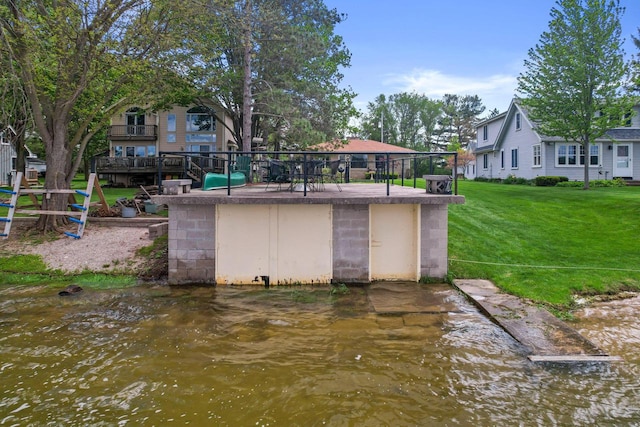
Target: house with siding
[509, 144]
[365, 155]
[138, 135]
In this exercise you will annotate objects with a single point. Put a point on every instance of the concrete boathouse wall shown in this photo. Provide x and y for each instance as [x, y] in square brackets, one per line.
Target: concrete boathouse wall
[357, 235]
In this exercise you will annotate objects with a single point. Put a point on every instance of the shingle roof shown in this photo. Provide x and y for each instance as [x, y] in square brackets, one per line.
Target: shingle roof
[361, 146]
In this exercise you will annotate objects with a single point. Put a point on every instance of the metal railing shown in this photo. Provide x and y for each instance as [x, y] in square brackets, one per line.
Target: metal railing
[382, 169]
[146, 132]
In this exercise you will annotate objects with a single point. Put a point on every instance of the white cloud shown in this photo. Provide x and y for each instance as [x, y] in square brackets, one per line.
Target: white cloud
[496, 91]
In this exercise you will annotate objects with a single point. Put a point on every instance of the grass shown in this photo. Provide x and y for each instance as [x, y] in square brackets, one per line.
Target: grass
[547, 244]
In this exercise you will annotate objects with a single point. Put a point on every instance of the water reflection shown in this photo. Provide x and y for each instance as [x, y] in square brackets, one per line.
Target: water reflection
[291, 356]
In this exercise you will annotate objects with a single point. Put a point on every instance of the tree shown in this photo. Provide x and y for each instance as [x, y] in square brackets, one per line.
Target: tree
[407, 120]
[465, 158]
[277, 64]
[459, 118]
[573, 77]
[80, 62]
[635, 66]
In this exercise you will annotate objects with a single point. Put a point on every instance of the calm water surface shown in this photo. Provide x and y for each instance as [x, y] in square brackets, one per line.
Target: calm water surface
[293, 356]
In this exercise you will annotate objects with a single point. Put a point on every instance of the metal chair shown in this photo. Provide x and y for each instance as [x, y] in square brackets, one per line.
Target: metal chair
[332, 176]
[277, 173]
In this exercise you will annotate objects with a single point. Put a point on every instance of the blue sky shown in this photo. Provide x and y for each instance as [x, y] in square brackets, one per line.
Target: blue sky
[433, 47]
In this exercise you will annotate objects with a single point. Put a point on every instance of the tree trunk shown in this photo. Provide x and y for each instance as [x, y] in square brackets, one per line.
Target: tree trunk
[246, 86]
[58, 162]
[587, 160]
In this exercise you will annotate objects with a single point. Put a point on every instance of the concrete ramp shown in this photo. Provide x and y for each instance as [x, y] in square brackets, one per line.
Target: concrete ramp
[547, 338]
[410, 297]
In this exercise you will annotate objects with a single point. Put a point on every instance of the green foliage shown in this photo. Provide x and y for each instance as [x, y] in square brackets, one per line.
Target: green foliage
[512, 179]
[369, 175]
[549, 181]
[21, 263]
[292, 58]
[338, 289]
[617, 182]
[546, 243]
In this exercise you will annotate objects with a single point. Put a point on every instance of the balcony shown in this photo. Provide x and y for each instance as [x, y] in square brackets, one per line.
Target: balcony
[133, 133]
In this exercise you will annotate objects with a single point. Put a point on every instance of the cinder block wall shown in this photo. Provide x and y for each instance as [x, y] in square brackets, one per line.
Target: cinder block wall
[351, 243]
[434, 240]
[192, 244]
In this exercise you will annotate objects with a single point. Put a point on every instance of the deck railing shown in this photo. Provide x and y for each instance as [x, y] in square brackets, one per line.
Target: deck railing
[132, 132]
[384, 168]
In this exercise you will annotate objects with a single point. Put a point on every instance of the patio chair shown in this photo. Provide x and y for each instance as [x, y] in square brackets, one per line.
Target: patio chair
[313, 171]
[243, 164]
[332, 176]
[277, 173]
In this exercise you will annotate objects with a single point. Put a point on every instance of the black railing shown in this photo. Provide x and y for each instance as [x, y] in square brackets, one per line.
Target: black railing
[382, 167]
[143, 132]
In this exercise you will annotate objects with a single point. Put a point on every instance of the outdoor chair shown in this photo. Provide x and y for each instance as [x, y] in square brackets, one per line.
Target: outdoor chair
[332, 176]
[243, 164]
[277, 173]
[313, 171]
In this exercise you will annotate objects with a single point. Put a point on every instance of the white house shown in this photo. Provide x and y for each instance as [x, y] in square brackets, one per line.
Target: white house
[509, 144]
[8, 158]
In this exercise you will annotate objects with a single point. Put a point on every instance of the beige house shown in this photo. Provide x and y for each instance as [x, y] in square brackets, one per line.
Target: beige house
[137, 136]
[365, 155]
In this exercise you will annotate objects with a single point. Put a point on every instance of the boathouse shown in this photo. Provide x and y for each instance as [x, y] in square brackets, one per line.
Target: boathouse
[275, 235]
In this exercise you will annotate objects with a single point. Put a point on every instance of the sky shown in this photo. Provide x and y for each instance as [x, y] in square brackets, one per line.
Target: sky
[433, 47]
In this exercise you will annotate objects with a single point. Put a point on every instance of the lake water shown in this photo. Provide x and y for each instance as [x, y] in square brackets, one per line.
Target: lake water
[294, 356]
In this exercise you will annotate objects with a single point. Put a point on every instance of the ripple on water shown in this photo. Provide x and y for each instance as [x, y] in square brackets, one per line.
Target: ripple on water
[284, 356]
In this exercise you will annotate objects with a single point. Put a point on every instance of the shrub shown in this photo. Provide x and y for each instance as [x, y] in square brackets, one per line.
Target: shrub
[483, 179]
[512, 179]
[549, 181]
[617, 182]
[372, 175]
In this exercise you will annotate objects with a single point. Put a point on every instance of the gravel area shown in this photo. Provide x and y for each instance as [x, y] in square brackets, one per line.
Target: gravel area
[100, 249]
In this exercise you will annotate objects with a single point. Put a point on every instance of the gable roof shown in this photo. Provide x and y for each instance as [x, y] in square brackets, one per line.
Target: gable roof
[354, 145]
[616, 134]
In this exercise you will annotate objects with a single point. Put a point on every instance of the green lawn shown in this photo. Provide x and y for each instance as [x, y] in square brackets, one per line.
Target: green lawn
[547, 243]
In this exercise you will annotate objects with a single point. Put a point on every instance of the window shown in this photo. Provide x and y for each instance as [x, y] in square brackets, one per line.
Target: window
[574, 155]
[485, 161]
[359, 161]
[135, 119]
[130, 151]
[151, 150]
[537, 156]
[501, 159]
[514, 158]
[485, 133]
[199, 148]
[518, 121]
[141, 151]
[117, 151]
[171, 128]
[201, 126]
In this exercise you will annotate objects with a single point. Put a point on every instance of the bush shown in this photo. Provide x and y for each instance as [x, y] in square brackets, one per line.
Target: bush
[549, 181]
[372, 175]
[483, 179]
[512, 179]
[617, 182]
